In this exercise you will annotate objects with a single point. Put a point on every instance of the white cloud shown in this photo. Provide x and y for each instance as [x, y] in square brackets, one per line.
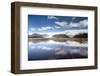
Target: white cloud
[32, 29]
[74, 24]
[72, 33]
[52, 17]
[83, 23]
[64, 23]
[44, 28]
[57, 27]
[30, 33]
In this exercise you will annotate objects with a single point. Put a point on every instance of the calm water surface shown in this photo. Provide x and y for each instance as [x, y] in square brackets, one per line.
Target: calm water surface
[50, 49]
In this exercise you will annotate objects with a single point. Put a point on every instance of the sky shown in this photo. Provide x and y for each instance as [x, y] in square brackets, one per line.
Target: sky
[44, 24]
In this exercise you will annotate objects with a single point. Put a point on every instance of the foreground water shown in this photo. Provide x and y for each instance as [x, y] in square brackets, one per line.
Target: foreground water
[50, 49]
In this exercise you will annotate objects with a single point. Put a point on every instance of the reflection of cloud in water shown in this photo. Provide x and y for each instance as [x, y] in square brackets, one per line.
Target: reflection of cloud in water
[41, 47]
[67, 43]
[44, 48]
[57, 50]
[30, 43]
[62, 51]
[75, 43]
[72, 42]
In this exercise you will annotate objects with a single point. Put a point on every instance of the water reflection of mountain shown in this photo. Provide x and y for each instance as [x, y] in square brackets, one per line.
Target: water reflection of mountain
[38, 41]
[61, 41]
[70, 56]
[80, 35]
[35, 35]
[60, 36]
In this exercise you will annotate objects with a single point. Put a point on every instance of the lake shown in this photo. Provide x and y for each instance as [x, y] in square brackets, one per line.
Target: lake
[51, 50]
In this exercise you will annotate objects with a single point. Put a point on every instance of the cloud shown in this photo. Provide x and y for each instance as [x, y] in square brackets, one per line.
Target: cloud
[44, 28]
[52, 17]
[72, 33]
[74, 24]
[32, 29]
[84, 23]
[61, 23]
[30, 33]
[81, 24]
[57, 27]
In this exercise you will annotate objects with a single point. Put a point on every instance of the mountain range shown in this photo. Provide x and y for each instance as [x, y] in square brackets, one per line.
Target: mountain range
[80, 35]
